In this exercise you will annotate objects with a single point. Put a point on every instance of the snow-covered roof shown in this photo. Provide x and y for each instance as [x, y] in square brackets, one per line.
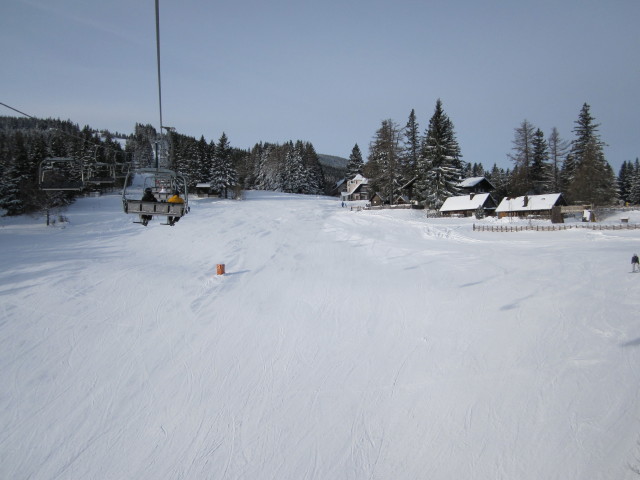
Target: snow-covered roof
[470, 182]
[532, 203]
[464, 202]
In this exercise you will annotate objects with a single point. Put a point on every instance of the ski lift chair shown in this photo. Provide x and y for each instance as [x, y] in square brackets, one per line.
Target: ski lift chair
[61, 174]
[163, 183]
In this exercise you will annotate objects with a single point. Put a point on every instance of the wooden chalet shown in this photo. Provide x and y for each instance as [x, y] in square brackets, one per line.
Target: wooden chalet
[204, 190]
[377, 199]
[530, 205]
[468, 205]
[401, 200]
[476, 185]
[357, 189]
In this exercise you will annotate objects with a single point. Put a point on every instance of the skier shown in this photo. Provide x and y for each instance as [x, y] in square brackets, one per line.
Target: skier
[635, 263]
[175, 199]
[147, 197]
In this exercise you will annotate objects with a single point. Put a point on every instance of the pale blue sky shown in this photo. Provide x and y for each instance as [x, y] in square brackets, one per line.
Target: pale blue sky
[329, 71]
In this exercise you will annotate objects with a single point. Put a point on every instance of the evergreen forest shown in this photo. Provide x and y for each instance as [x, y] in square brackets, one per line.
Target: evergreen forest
[430, 164]
[426, 166]
[292, 167]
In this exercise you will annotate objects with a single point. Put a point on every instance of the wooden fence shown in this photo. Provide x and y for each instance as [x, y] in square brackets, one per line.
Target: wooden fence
[551, 228]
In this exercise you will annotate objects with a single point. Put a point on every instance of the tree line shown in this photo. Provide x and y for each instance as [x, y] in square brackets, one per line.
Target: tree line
[25, 142]
[292, 167]
[429, 166]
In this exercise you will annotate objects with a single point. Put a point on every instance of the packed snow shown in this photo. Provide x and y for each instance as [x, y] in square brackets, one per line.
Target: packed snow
[340, 344]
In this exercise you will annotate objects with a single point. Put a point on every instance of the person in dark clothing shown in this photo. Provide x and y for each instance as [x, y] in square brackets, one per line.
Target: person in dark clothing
[147, 197]
[635, 263]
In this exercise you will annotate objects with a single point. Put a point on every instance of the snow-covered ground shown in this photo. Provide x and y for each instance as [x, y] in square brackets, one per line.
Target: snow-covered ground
[339, 345]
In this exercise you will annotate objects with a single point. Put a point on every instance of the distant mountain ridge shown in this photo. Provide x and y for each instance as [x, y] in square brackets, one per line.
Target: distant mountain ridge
[332, 161]
[335, 170]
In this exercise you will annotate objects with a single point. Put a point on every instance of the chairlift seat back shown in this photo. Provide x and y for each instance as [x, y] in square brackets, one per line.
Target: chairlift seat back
[155, 208]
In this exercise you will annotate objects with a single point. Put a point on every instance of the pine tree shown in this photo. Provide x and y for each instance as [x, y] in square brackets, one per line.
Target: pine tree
[439, 166]
[203, 153]
[143, 154]
[383, 166]
[254, 158]
[586, 132]
[355, 165]
[223, 174]
[624, 180]
[540, 168]
[594, 180]
[477, 170]
[313, 170]
[411, 148]
[267, 167]
[589, 175]
[191, 162]
[500, 181]
[522, 158]
[633, 183]
[293, 175]
[16, 180]
[558, 149]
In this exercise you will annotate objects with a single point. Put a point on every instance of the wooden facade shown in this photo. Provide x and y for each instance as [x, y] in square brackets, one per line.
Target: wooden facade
[530, 205]
[357, 189]
[468, 205]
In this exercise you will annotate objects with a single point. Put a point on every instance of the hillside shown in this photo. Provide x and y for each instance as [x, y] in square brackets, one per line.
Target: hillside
[339, 345]
[333, 161]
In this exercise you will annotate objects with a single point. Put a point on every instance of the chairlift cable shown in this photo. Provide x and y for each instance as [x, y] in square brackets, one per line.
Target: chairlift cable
[16, 110]
[158, 58]
[146, 209]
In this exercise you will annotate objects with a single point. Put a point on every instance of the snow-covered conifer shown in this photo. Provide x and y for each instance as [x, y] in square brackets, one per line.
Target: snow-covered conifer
[439, 166]
[589, 176]
[355, 165]
[557, 148]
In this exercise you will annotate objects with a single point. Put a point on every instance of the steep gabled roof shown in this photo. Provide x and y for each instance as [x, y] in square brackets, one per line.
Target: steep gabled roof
[465, 202]
[360, 178]
[528, 203]
[473, 181]
[360, 187]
